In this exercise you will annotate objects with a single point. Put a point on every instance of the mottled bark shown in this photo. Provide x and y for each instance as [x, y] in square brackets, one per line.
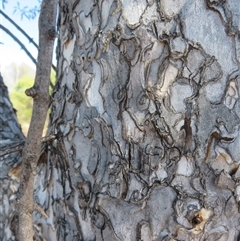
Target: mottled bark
[10, 135]
[146, 110]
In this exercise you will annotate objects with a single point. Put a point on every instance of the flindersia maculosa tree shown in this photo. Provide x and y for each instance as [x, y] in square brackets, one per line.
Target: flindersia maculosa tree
[145, 116]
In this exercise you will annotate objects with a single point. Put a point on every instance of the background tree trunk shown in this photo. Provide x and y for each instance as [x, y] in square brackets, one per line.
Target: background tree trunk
[10, 136]
[146, 110]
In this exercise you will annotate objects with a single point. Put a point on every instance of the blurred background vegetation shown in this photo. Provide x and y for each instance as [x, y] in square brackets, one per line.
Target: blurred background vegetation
[17, 69]
[22, 103]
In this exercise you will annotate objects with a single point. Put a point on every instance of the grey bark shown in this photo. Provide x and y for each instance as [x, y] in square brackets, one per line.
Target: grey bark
[146, 110]
[10, 135]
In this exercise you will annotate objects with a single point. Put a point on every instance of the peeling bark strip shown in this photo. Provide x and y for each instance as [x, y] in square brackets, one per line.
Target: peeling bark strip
[40, 94]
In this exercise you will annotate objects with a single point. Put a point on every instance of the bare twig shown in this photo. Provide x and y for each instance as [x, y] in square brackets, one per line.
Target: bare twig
[19, 42]
[24, 33]
[19, 28]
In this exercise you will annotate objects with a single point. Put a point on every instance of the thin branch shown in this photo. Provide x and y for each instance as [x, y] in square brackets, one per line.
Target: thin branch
[19, 42]
[25, 49]
[19, 28]
[24, 33]
[40, 210]
[40, 94]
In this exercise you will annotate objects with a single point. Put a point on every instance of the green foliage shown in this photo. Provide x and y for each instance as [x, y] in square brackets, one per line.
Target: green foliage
[53, 80]
[21, 102]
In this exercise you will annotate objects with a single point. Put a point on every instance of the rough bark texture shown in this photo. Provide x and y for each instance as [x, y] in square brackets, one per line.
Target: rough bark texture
[146, 110]
[10, 135]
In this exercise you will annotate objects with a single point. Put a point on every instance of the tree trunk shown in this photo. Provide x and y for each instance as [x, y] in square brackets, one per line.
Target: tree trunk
[10, 136]
[147, 114]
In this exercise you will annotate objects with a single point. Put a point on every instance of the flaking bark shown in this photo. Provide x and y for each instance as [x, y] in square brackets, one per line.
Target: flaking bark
[10, 135]
[146, 107]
